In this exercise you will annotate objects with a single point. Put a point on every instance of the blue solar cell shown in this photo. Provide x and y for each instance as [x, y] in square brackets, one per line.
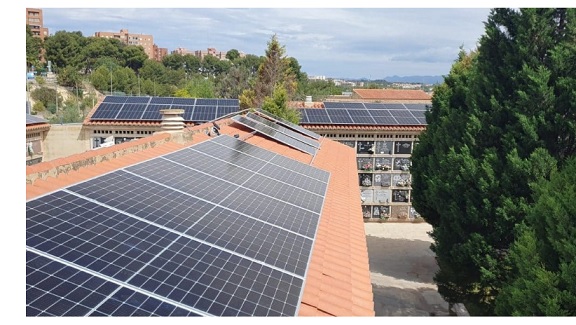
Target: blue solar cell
[131, 112]
[333, 105]
[115, 99]
[228, 102]
[379, 112]
[419, 107]
[152, 112]
[291, 125]
[407, 121]
[276, 135]
[203, 113]
[184, 101]
[394, 106]
[161, 100]
[317, 116]
[289, 132]
[106, 111]
[339, 116]
[361, 116]
[206, 101]
[225, 110]
[137, 99]
[354, 106]
[374, 105]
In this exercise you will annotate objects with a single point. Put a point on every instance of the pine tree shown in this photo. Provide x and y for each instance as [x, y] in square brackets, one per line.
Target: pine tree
[495, 129]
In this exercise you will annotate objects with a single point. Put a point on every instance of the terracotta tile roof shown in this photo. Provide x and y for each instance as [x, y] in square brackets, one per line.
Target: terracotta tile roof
[338, 279]
[301, 104]
[392, 94]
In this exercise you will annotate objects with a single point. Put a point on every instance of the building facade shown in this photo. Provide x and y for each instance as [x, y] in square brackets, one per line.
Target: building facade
[144, 40]
[383, 126]
[36, 132]
[35, 19]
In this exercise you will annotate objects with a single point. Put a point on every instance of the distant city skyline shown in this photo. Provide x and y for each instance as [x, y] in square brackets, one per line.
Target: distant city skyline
[333, 42]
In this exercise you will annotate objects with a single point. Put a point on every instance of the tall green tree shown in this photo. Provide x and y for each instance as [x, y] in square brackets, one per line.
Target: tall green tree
[33, 49]
[277, 104]
[273, 71]
[491, 134]
[65, 49]
[232, 55]
[543, 258]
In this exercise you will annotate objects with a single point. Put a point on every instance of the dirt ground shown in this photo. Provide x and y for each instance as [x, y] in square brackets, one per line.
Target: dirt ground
[402, 268]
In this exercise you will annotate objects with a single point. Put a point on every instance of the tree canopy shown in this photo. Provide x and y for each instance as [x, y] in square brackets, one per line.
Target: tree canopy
[500, 123]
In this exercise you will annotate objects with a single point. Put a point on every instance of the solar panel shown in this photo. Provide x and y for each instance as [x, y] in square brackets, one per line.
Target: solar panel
[407, 121]
[137, 99]
[221, 228]
[184, 101]
[333, 105]
[419, 107]
[131, 112]
[161, 100]
[374, 106]
[291, 125]
[422, 120]
[31, 119]
[115, 99]
[418, 114]
[394, 106]
[339, 116]
[203, 113]
[276, 135]
[353, 106]
[56, 289]
[282, 129]
[401, 113]
[206, 101]
[106, 111]
[361, 116]
[228, 102]
[303, 117]
[188, 111]
[147, 108]
[152, 112]
[225, 110]
[317, 116]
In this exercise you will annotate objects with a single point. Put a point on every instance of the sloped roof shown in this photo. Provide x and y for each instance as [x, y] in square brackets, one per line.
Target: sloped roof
[392, 94]
[35, 123]
[338, 278]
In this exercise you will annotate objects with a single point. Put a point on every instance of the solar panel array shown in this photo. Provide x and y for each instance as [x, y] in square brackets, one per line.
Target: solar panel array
[366, 114]
[290, 125]
[289, 138]
[31, 119]
[148, 108]
[222, 228]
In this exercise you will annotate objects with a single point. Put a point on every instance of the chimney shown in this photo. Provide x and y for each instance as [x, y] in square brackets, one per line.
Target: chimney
[308, 102]
[172, 120]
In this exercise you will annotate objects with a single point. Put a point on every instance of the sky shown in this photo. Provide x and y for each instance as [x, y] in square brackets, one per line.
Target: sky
[336, 42]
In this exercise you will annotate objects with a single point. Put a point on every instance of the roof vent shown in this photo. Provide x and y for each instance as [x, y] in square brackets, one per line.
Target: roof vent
[308, 102]
[172, 120]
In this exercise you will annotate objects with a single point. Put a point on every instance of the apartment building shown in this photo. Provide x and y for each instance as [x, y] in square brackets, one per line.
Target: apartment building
[159, 53]
[35, 19]
[144, 40]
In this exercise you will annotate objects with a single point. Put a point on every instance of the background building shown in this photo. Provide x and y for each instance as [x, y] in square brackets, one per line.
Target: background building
[35, 19]
[144, 40]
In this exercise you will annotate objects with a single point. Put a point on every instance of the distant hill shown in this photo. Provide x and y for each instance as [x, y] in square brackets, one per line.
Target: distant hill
[416, 79]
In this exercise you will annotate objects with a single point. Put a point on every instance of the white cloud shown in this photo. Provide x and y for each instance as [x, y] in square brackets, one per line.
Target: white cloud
[346, 39]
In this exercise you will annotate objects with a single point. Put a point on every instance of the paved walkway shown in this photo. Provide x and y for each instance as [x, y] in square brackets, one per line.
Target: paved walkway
[402, 268]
